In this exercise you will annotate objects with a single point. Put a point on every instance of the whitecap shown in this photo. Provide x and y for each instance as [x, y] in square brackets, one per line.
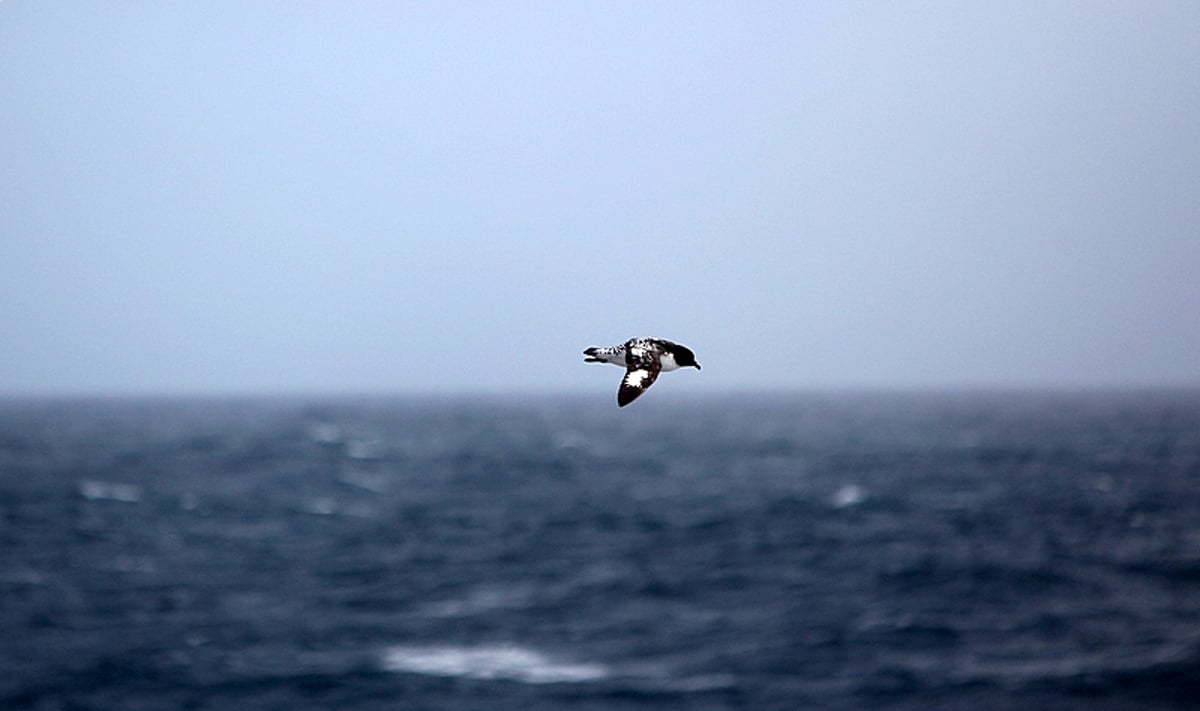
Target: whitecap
[848, 495]
[507, 662]
[110, 491]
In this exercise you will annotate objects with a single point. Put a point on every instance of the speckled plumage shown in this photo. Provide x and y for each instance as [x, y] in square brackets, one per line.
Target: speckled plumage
[643, 359]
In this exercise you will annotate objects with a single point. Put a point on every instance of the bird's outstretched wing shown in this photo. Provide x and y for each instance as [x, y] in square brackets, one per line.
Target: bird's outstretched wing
[634, 383]
[642, 368]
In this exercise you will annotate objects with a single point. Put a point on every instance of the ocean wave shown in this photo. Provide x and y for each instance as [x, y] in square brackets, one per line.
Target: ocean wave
[110, 491]
[483, 599]
[506, 662]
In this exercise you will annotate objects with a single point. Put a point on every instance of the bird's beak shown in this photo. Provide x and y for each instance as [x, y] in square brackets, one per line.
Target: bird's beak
[697, 366]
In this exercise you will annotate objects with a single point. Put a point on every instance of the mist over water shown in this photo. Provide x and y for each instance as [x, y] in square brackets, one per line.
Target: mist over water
[984, 550]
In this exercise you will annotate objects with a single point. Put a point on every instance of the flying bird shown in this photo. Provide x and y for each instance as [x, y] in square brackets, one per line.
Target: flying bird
[643, 359]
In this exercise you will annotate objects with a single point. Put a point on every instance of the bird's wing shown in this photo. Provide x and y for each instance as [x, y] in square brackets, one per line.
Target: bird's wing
[642, 366]
[634, 383]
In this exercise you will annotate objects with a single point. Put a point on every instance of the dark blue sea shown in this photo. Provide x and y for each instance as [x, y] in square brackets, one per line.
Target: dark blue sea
[809, 551]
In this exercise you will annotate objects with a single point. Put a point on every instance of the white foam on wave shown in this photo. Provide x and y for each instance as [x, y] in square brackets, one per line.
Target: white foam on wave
[848, 495]
[110, 491]
[508, 662]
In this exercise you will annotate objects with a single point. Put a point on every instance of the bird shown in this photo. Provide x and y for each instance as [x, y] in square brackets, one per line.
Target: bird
[643, 359]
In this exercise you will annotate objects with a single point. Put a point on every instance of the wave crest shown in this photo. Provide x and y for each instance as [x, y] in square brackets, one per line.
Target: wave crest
[509, 662]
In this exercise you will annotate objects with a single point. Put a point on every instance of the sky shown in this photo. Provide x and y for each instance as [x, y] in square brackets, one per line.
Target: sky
[388, 197]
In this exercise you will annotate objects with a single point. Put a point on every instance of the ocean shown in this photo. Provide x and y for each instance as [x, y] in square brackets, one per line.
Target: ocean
[969, 550]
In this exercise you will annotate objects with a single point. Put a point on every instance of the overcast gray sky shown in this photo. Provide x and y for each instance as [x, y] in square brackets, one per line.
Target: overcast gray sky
[386, 196]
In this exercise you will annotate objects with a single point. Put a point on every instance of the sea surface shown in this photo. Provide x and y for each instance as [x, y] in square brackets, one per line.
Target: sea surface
[808, 551]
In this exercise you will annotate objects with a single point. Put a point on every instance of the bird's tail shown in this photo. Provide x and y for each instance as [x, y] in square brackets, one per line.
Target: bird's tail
[600, 355]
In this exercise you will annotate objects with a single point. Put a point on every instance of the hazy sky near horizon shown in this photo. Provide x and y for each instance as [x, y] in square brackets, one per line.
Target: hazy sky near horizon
[389, 196]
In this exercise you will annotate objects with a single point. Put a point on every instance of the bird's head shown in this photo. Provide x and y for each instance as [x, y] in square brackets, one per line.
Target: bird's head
[684, 357]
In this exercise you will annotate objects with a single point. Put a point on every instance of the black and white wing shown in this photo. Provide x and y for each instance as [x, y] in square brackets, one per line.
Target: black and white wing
[642, 367]
[634, 383]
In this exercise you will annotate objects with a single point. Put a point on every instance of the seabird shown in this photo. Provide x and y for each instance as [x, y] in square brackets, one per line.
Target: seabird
[643, 359]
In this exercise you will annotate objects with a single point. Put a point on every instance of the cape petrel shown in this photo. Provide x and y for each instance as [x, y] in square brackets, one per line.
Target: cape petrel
[643, 359]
